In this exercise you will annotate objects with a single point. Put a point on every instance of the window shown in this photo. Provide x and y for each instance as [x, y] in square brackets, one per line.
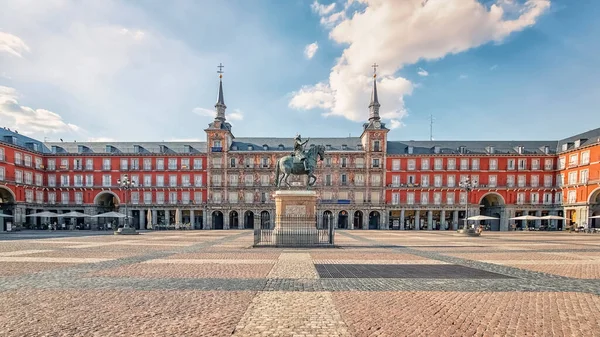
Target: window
[249, 162]
[233, 180]
[39, 181]
[185, 180]
[216, 162]
[51, 180]
[264, 162]
[185, 163]
[451, 181]
[425, 180]
[359, 197]
[52, 197]
[396, 181]
[232, 162]
[216, 197]
[28, 164]
[521, 181]
[493, 164]
[89, 180]
[475, 180]
[197, 163]
[160, 198]
[359, 163]
[160, 180]
[493, 180]
[510, 181]
[18, 158]
[548, 164]
[522, 164]
[124, 164]
[376, 180]
[585, 158]
[173, 180]
[425, 164]
[147, 180]
[396, 165]
[572, 197]
[464, 164]
[548, 180]
[451, 164]
[547, 198]
[450, 198]
[376, 146]
[438, 164]
[2, 173]
[147, 197]
[535, 164]
[249, 197]
[135, 164]
[39, 197]
[106, 164]
[437, 198]
[411, 164]
[89, 164]
[147, 164]
[572, 177]
[410, 198]
[411, 179]
[520, 198]
[64, 180]
[535, 181]
[424, 198]
[359, 180]
[172, 164]
[78, 180]
[106, 180]
[64, 164]
[173, 197]
[558, 198]
[510, 164]
[79, 198]
[38, 163]
[29, 196]
[198, 197]
[561, 163]
[185, 198]
[535, 198]
[560, 180]
[344, 162]
[28, 178]
[233, 197]
[375, 163]
[328, 180]
[249, 180]
[64, 198]
[160, 164]
[1, 154]
[51, 164]
[264, 180]
[395, 198]
[583, 176]
[573, 160]
[475, 164]
[375, 197]
[463, 198]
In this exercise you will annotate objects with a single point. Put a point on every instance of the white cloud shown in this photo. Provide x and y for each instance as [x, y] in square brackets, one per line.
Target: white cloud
[234, 115]
[12, 44]
[494, 67]
[29, 121]
[310, 50]
[322, 9]
[463, 76]
[422, 72]
[397, 33]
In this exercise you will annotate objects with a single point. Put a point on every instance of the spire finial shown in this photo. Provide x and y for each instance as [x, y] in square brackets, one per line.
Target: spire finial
[220, 71]
[375, 65]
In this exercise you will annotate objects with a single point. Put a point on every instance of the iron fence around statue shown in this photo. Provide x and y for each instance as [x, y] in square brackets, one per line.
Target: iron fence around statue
[294, 231]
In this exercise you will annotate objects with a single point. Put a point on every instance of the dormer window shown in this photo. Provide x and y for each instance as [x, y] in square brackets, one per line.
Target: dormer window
[546, 149]
[520, 149]
[266, 147]
[344, 147]
[109, 149]
[565, 146]
[164, 149]
[436, 149]
[490, 149]
[187, 149]
[328, 147]
[250, 147]
[410, 149]
[577, 143]
[280, 147]
[462, 149]
[234, 148]
[359, 147]
[10, 139]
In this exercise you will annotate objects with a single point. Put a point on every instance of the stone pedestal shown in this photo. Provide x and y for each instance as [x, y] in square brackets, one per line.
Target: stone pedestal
[295, 218]
[126, 231]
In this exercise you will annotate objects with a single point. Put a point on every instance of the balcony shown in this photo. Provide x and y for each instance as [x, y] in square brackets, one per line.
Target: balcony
[216, 149]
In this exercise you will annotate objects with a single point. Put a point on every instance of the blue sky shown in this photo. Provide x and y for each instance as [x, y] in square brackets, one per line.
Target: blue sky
[146, 70]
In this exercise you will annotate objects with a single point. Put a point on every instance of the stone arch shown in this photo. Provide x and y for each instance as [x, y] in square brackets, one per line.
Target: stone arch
[493, 199]
[358, 220]
[342, 220]
[103, 194]
[234, 220]
[7, 195]
[374, 218]
[265, 220]
[594, 197]
[327, 219]
[217, 220]
[249, 220]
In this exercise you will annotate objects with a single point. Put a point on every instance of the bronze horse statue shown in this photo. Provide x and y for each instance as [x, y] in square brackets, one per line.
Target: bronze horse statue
[288, 166]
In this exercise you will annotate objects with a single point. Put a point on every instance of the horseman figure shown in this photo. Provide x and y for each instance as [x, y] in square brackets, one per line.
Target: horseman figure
[299, 154]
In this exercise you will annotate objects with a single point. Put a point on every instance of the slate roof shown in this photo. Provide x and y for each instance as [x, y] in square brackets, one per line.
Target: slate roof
[22, 141]
[128, 147]
[586, 138]
[352, 144]
[471, 147]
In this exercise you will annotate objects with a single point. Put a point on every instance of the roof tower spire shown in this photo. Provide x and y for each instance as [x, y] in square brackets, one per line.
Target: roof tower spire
[374, 104]
[220, 100]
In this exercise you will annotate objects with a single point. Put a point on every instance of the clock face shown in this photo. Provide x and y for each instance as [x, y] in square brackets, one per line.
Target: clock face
[377, 124]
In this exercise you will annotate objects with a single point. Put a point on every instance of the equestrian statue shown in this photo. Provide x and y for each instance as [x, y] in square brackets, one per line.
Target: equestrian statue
[300, 162]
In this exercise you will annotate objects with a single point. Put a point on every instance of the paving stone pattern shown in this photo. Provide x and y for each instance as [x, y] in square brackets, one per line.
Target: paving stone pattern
[212, 283]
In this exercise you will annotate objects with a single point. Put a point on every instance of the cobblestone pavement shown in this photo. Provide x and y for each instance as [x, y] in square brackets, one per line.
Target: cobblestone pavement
[213, 283]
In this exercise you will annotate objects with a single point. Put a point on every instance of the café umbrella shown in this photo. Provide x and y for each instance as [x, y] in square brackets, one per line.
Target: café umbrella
[44, 214]
[481, 217]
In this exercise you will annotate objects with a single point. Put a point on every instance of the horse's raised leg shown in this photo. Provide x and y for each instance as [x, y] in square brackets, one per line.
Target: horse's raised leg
[286, 180]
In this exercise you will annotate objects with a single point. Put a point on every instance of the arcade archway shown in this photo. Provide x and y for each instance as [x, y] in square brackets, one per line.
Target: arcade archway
[249, 220]
[217, 220]
[265, 220]
[374, 220]
[233, 220]
[327, 219]
[342, 220]
[492, 204]
[358, 220]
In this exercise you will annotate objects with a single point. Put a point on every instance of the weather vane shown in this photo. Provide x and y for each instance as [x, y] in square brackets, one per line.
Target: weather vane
[220, 71]
[375, 65]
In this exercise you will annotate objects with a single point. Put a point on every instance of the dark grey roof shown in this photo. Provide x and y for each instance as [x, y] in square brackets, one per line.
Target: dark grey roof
[471, 147]
[20, 140]
[273, 144]
[374, 97]
[128, 147]
[585, 139]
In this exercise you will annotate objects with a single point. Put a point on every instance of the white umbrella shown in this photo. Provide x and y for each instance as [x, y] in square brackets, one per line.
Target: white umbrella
[44, 214]
[553, 217]
[109, 215]
[72, 215]
[526, 217]
[481, 217]
[595, 217]
[149, 219]
[177, 213]
[5, 216]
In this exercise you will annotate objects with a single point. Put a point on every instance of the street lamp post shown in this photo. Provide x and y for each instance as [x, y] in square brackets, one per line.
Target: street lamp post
[127, 185]
[467, 185]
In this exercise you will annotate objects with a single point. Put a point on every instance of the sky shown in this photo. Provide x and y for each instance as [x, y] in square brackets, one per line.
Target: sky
[147, 70]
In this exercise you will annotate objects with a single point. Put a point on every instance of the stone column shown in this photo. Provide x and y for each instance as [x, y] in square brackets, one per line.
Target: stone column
[538, 223]
[205, 217]
[443, 219]
[384, 221]
[417, 220]
[142, 219]
[455, 220]
[351, 219]
[192, 219]
[402, 219]
[552, 222]
[154, 217]
[226, 219]
[366, 220]
[430, 220]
